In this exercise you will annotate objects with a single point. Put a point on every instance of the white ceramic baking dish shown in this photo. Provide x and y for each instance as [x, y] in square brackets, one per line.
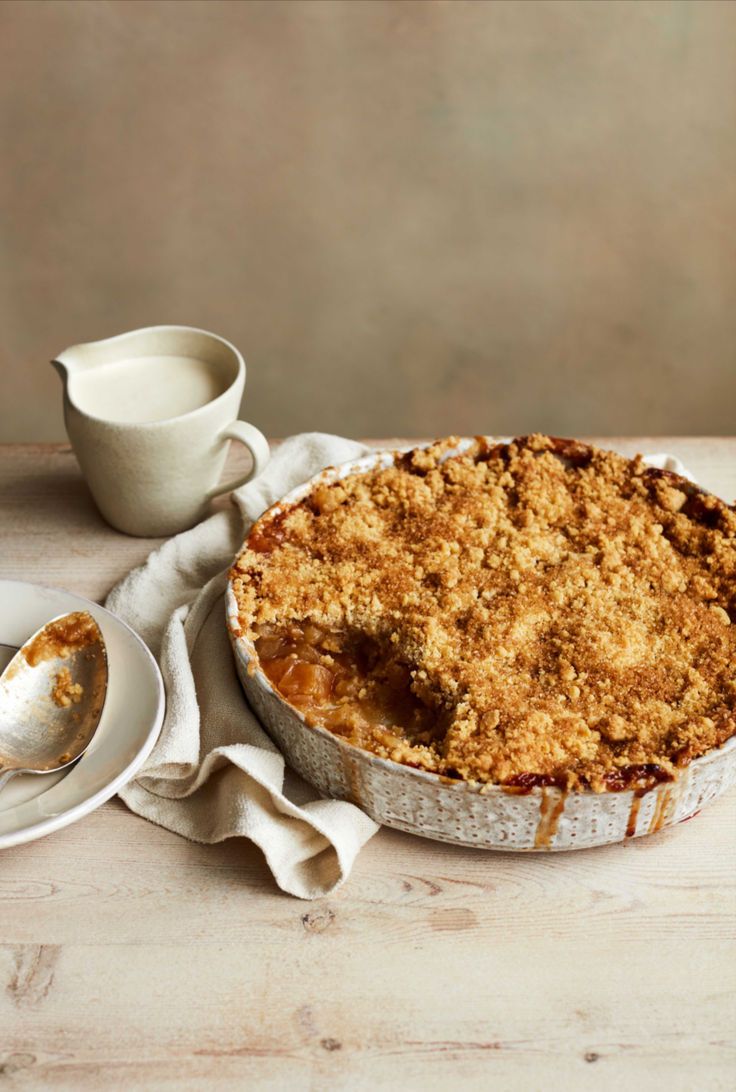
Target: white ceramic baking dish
[485, 816]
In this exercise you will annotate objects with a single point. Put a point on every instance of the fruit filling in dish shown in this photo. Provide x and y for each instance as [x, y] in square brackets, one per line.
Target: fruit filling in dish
[347, 685]
[529, 613]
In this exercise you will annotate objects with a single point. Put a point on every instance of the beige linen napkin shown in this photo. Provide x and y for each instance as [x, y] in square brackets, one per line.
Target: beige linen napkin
[214, 773]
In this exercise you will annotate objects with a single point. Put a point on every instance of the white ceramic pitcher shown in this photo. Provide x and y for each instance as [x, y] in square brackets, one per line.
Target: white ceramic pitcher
[149, 415]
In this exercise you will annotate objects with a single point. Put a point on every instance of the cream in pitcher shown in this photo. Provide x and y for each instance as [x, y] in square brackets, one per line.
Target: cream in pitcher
[150, 414]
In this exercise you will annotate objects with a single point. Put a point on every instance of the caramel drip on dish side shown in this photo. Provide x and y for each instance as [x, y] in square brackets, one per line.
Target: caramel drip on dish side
[633, 816]
[661, 811]
[550, 810]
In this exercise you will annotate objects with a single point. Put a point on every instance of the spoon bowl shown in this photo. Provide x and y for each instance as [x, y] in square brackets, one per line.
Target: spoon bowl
[51, 696]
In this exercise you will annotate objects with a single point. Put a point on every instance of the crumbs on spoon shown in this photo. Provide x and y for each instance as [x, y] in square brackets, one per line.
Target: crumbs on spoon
[66, 692]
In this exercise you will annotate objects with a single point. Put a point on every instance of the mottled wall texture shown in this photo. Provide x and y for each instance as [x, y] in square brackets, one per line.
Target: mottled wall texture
[413, 216]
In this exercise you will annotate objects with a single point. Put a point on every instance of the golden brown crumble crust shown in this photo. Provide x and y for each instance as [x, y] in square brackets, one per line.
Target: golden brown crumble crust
[560, 613]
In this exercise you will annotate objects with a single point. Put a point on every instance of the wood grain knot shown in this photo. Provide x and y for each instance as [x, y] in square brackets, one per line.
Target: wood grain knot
[15, 1062]
[317, 921]
[452, 920]
[33, 973]
[330, 1044]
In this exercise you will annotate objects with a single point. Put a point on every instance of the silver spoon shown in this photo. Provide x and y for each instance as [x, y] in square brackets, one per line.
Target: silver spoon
[51, 696]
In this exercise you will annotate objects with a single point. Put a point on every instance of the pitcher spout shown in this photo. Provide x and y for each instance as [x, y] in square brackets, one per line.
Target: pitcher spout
[63, 368]
[78, 358]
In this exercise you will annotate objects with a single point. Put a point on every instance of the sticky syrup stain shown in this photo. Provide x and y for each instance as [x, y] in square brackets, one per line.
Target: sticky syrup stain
[551, 807]
[661, 811]
[61, 637]
[633, 816]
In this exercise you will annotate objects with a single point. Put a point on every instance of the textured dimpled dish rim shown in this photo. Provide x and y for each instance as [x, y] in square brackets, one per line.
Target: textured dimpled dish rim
[483, 816]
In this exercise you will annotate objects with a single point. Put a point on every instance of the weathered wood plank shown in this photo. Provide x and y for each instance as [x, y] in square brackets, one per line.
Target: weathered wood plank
[114, 866]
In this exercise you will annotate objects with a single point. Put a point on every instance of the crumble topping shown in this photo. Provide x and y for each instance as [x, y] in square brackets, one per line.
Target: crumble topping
[61, 637]
[539, 612]
[66, 692]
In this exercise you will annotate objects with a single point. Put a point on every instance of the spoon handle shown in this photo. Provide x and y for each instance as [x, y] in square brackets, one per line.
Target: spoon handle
[5, 776]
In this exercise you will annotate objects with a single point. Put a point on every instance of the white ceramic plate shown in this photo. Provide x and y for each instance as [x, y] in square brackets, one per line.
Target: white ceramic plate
[32, 806]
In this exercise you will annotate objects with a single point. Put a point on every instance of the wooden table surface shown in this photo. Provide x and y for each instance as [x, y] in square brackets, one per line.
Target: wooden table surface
[131, 958]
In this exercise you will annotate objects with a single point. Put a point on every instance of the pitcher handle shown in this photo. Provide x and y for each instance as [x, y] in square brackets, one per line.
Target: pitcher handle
[252, 438]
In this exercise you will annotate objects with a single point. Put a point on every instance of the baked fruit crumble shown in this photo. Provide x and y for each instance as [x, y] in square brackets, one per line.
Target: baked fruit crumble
[533, 613]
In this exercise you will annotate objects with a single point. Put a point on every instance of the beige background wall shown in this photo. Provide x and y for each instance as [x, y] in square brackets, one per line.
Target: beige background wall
[413, 217]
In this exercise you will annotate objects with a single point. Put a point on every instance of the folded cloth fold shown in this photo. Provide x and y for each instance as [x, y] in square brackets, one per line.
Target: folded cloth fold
[214, 773]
